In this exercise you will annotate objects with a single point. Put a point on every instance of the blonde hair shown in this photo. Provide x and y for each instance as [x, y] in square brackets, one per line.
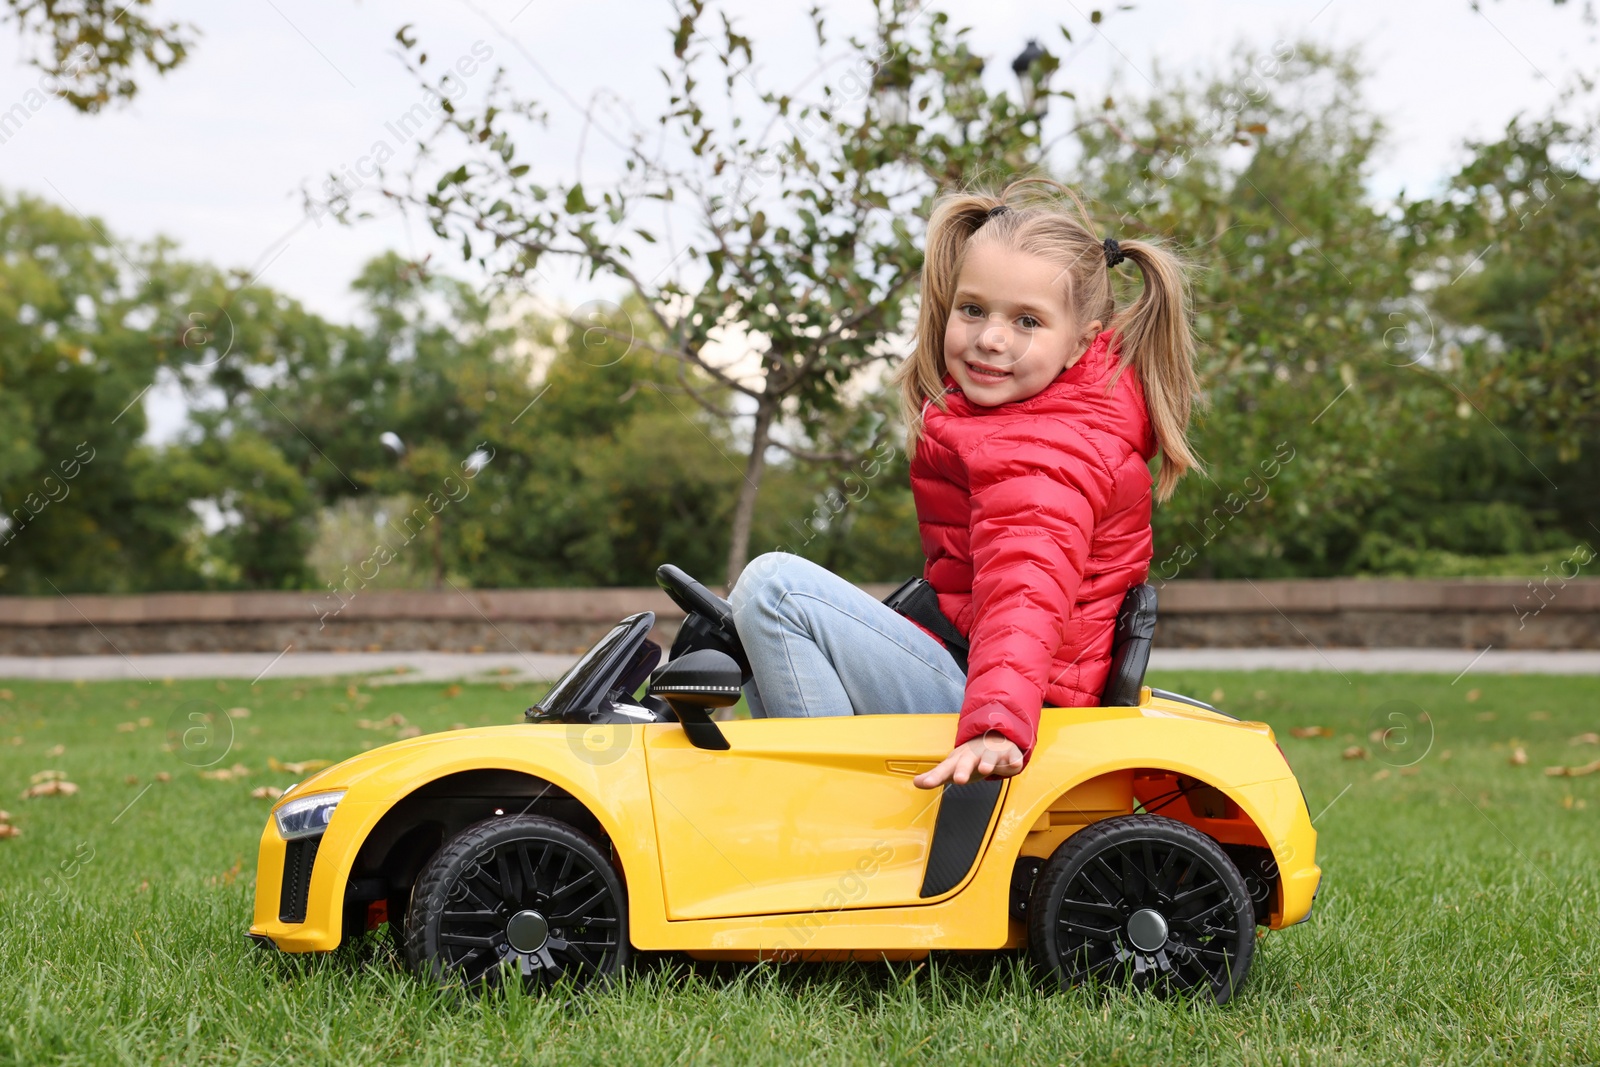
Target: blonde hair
[1047, 219]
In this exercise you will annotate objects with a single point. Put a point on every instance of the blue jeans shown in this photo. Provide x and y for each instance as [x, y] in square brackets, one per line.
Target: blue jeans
[820, 646]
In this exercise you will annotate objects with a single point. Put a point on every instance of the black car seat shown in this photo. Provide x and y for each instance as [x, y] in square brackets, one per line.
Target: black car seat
[1130, 647]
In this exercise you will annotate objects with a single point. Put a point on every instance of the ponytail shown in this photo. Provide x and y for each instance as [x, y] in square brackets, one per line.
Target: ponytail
[1157, 339]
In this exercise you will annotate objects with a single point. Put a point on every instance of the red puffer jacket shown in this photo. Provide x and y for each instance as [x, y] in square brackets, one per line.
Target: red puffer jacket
[1035, 520]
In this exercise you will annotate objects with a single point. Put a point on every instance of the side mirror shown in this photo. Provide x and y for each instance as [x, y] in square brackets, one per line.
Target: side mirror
[695, 685]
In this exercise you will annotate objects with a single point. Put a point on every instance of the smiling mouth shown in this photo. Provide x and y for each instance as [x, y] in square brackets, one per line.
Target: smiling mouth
[982, 372]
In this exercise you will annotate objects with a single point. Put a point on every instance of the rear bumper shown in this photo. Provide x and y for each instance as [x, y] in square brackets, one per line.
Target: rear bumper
[1300, 890]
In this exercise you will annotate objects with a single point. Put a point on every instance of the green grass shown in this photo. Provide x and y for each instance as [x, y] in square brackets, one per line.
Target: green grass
[1457, 923]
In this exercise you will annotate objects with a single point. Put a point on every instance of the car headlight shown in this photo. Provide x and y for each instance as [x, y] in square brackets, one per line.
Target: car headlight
[307, 816]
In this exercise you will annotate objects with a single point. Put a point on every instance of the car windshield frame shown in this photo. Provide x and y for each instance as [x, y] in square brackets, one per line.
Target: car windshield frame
[583, 691]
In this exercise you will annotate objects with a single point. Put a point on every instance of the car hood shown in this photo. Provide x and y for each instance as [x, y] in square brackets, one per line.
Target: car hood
[349, 772]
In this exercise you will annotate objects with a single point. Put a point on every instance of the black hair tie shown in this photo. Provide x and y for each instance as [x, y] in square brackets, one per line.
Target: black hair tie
[996, 211]
[1114, 254]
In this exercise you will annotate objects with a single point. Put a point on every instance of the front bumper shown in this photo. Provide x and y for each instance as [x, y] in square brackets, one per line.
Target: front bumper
[299, 904]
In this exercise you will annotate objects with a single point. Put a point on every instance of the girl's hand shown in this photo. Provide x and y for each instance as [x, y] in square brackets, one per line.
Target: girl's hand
[990, 754]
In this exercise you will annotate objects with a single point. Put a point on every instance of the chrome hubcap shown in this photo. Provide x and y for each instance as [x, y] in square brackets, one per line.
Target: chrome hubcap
[528, 931]
[1147, 929]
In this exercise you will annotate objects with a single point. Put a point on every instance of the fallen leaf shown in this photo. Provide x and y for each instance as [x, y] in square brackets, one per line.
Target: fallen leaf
[7, 830]
[163, 776]
[1444, 757]
[409, 731]
[58, 750]
[299, 767]
[238, 713]
[1519, 757]
[1485, 716]
[396, 719]
[127, 727]
[1216, 696]
[48, 776]
[132, 779]
[1313, 731]
[1407, 772]
[1381, 775]
[1586, 739]
[55, 787]
[1356, 752]
[458, 726]
[1539, 716]
[226, 774]
[1566, 801]
[145, 720]
[266, 792]
[16, 741]
[453, 691]
[5, 816]
[5, 694]
[1573, 772]
[1377, 736]
[1473, 695]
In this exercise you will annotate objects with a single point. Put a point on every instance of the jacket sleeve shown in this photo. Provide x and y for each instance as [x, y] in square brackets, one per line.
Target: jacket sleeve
[1033, 515]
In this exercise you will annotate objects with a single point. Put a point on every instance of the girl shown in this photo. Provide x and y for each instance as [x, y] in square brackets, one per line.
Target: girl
[1033, 407]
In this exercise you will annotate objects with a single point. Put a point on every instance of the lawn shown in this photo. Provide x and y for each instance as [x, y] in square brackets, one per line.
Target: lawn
[1457, 922]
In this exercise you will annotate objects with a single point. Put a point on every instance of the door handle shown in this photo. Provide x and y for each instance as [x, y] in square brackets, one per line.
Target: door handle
[910, 766]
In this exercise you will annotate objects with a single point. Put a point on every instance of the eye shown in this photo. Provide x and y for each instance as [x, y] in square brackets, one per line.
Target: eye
[971, 310]
[1028, 322]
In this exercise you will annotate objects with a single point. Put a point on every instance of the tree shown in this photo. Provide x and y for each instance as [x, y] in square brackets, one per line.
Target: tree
[805, 239]
[84, 329]
[1516, 240]
[92, 51]
[1300, 290]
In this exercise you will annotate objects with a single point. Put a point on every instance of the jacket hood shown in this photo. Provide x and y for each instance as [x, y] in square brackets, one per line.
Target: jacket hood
[1080, 392]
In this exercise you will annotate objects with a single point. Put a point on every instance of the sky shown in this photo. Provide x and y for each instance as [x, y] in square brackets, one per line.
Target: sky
[279, 93]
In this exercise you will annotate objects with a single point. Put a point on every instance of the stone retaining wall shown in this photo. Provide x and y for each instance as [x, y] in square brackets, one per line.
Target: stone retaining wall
[1328, 613]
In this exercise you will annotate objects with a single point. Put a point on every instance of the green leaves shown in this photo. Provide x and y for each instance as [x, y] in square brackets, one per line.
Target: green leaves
[454, 177]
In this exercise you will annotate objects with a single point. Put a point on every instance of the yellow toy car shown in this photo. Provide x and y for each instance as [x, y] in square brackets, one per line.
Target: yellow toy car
[1145, 842]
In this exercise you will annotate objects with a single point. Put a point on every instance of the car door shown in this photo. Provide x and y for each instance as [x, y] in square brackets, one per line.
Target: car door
[797, 815]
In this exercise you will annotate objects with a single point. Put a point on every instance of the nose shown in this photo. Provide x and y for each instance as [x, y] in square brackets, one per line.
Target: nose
[994, 336]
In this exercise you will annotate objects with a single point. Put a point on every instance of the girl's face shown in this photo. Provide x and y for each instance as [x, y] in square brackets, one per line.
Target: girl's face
[1010, 331]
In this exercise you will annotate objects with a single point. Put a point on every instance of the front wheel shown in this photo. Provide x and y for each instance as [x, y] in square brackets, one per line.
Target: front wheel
[1143, 900]
[522, 898]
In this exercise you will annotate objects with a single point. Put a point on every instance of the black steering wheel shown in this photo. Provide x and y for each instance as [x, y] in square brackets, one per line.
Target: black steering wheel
[694, 598]
[715, 613]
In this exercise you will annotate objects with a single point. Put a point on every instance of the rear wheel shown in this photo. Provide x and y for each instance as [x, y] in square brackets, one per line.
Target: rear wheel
[1147, 901]
[522, 899]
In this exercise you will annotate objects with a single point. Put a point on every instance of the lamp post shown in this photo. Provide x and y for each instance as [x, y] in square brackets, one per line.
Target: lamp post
[1033, 68]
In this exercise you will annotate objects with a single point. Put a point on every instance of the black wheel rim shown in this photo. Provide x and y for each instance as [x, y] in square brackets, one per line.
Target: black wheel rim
[1120, 886]
[560, 885]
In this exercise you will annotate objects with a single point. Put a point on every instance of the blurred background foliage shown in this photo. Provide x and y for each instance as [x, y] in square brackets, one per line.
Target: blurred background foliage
[1405, 387]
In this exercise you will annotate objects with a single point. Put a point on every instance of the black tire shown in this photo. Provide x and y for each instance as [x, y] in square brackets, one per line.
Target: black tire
[1143, 900]
[572, 912]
